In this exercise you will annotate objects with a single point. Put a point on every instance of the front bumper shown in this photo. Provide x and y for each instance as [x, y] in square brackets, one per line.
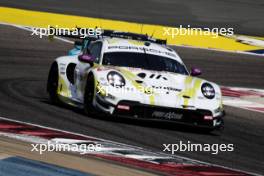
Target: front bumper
[198, 117]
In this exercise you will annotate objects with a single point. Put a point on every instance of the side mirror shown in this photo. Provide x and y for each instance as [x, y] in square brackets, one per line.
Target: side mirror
[87, 58]
[195, 71]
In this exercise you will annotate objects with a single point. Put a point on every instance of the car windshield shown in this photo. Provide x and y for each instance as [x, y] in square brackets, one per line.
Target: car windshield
[144, 61]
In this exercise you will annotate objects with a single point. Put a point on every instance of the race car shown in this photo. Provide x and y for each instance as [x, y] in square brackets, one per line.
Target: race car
[128, 75]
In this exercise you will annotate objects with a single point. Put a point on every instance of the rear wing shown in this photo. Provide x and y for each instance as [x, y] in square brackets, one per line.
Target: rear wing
[78, 34]
[132, 36]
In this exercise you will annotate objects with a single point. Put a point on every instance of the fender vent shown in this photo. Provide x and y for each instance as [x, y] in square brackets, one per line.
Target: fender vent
[141, 75]
[139, 81]
[186, 96]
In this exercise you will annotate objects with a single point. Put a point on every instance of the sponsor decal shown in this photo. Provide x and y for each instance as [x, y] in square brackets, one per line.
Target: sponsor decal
[167, 115]
[143, 49]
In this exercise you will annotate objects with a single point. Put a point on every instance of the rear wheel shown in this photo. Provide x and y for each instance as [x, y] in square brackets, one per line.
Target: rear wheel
[52, 84]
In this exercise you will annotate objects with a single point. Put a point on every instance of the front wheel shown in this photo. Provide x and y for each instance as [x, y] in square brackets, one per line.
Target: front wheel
[89, 95]
[52, 84]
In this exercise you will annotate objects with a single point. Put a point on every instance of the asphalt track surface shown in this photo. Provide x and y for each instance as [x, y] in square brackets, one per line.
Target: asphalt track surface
[245, 16]
[24, 65]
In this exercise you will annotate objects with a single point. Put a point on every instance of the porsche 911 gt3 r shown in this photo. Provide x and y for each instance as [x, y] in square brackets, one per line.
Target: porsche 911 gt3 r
[124, 77]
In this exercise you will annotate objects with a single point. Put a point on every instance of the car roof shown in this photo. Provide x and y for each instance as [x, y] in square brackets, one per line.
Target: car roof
[127, 45]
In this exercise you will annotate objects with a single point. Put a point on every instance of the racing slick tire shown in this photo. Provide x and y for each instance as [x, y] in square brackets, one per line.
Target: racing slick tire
[89, 95]
[52, 83]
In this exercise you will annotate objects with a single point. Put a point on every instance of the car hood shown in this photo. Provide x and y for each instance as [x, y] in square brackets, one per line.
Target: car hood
[158, 80]
[164, 88]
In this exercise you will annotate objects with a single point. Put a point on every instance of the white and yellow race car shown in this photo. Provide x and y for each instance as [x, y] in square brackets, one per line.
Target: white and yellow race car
[131, 76]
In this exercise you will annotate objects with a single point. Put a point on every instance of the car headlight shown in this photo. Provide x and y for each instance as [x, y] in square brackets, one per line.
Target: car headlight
[115, 79]
[208, 90]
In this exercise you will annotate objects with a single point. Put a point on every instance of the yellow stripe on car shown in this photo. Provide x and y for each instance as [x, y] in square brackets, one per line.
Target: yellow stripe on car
[62, 88]
[188, 90]
[131, 77]
[192, 86]
[152, 99]
[100, 89]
